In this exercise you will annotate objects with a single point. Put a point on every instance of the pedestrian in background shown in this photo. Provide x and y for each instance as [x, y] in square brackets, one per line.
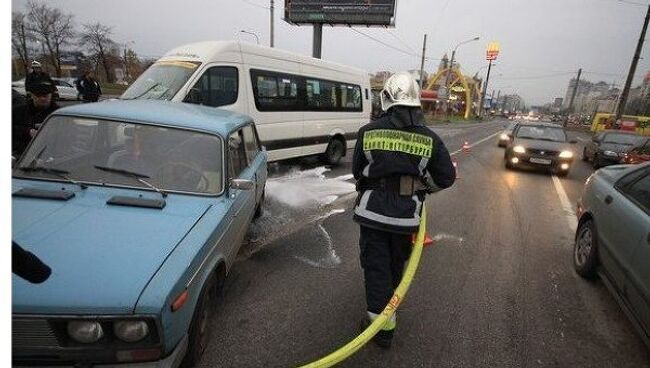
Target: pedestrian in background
[397, 161]
[88, 87]
[36, 76]
[27, 118]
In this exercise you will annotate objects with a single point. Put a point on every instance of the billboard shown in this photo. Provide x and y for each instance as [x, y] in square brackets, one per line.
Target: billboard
[348, 12]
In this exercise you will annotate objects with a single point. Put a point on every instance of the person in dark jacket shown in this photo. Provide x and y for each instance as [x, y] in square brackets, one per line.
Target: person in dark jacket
[36, 77]
[26, 118]
[397, 161]
[88, 87]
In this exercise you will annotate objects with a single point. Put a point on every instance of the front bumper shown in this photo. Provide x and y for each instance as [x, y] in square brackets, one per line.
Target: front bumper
[173, 360]
[535, 161]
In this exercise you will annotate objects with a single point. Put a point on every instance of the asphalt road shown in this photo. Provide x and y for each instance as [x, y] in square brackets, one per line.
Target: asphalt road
[496, 290]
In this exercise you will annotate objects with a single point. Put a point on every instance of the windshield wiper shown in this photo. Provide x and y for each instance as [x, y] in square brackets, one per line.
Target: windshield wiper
[137, 176]
[144, 93]
[56, 172]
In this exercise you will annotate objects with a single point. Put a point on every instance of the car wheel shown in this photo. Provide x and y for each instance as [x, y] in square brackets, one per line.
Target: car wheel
[199, 331]
[595, 162]
[562, 173]
[334, 152]
[584, 155]
[508, 164]
[585, 251]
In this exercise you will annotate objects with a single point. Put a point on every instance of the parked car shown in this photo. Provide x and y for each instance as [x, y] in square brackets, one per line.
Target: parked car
[613, 237]
[506, 136]
[638, 154]
[609, 147]
[66, 90]
[542, 146]
[139, 209]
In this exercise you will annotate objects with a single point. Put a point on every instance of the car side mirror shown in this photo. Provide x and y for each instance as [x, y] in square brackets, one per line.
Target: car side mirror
[194, 96]
[242, 184]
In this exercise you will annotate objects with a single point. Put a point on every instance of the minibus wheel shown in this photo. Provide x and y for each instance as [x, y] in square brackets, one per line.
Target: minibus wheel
[334, 152]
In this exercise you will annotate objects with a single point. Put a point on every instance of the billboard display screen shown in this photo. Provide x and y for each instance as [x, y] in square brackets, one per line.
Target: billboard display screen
[348, 12]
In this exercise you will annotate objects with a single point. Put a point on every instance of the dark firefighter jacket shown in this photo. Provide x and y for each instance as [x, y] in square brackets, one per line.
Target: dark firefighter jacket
[23, 118]
[398, 144]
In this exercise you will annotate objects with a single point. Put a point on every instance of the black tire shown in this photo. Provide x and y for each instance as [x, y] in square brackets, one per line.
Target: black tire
[595, 162]
[334, 152]
[562, 173]
[508, 164]
[585, 250]
[584, 155]
[199, 332]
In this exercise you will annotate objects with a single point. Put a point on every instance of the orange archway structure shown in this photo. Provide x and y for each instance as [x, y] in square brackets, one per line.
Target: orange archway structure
[458, 83]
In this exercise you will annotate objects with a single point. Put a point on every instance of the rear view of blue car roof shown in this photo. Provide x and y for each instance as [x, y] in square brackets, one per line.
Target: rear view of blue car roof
[178, 114]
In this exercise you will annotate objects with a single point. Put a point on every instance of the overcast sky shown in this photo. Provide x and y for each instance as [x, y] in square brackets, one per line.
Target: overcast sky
[543, 42]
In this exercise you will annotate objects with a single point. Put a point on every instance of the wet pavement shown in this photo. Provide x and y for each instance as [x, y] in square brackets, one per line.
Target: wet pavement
[496, 290]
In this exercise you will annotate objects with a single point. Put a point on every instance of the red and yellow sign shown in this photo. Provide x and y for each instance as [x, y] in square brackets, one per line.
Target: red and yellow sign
[492, 51]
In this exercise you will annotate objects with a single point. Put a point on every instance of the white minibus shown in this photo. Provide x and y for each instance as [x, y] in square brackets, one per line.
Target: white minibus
[301, 105]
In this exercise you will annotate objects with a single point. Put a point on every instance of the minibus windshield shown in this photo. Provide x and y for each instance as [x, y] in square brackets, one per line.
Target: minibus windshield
[161, 81]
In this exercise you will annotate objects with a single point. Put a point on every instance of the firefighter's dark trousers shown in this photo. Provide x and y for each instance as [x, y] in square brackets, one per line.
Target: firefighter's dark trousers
[383, 255]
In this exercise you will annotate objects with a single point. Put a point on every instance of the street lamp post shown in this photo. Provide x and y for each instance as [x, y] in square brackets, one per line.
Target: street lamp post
[251, 33]
[451, 66]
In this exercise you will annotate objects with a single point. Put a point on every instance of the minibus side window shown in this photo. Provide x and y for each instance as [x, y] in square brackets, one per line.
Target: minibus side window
[218, 86]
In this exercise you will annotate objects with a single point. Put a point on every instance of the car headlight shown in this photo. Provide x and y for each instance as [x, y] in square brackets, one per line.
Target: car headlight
[131, 331]
[504, 137]
[566, 154]
[610, 153]
[519, 149]
[86, 332]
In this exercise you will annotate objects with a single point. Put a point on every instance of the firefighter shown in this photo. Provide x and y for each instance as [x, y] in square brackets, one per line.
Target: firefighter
[397, 161]
[36, 77]
[27, 118]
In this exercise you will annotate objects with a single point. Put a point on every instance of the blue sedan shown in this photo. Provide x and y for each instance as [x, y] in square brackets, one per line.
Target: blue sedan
[131, 214]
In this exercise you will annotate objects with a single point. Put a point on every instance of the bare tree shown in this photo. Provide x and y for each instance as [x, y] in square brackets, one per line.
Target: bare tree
[97, 37]
[20, 37]
[53, 28]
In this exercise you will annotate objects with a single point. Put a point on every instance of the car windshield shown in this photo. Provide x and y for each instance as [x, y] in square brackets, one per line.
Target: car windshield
[544, 133]
[94, 151]
[624, 139]
[161, 81]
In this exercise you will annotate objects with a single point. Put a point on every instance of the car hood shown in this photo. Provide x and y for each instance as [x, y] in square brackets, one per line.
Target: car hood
[102, 256]
[542, 145]
[614, 147]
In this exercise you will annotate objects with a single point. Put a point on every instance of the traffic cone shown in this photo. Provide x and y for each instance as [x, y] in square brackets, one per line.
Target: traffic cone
[427, 239]
[466, 147]
[455, 163]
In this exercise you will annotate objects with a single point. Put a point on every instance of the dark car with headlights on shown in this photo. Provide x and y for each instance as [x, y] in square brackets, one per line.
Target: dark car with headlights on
[504, 138]
[540, 145]
[609, 147]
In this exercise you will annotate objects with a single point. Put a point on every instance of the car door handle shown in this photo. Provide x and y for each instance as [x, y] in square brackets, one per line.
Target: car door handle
[608, 199]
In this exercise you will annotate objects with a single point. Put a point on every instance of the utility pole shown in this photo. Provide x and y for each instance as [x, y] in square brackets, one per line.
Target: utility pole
[635, 60]
[318, 40]
[272, 8]
[487, 79]
[575, 90]
[424, 51]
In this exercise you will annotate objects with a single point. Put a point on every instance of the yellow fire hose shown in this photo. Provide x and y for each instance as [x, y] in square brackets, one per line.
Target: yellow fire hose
[353, 346]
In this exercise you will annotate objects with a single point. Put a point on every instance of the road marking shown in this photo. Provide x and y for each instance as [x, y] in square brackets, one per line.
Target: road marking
[476, 143]
[566, 204]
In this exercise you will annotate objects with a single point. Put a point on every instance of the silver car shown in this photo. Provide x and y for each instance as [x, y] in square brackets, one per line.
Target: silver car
[613, 237]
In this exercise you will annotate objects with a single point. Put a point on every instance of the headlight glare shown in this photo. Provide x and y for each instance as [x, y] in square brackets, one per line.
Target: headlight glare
[519, 149]
[566, 154]
[86, 332]
[504, 137]
[131, 331]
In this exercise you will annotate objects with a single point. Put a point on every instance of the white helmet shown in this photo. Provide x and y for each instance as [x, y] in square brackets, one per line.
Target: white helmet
[400, 89]
[36, 64]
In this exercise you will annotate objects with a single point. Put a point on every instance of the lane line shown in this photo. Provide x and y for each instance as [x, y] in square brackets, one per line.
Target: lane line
[566, 204]
[476, 143]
